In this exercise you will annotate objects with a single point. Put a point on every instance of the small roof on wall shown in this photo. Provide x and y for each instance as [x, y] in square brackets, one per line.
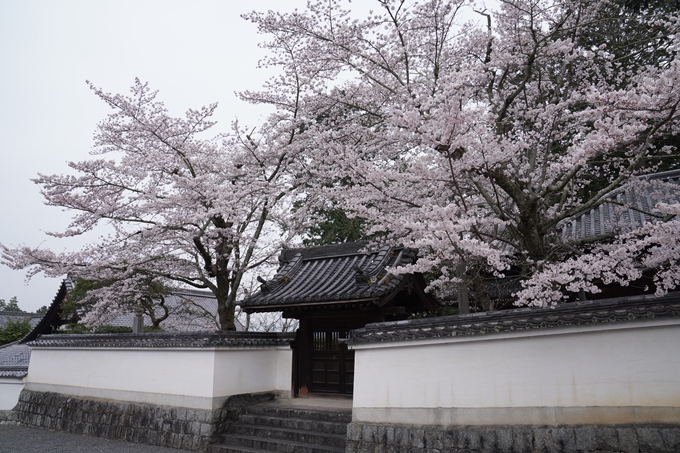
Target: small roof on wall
[604, 312]
[340, 274]
[14, 359]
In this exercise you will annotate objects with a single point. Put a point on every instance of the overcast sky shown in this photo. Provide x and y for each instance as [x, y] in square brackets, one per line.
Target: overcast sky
[195, 52]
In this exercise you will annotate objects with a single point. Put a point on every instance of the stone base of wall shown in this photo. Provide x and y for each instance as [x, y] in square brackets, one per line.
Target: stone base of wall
[176, 427]
[380, 438]
[8, 418]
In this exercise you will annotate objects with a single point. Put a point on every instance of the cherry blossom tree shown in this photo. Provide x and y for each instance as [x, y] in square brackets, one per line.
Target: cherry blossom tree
[182, 207]
[474, 140]
[654, 246]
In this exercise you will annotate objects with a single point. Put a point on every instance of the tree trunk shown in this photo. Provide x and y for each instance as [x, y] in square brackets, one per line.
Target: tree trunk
[225, 304]
[531, 237]
[149, 307]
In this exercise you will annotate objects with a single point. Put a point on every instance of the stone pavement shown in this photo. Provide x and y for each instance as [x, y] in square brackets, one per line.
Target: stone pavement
[25, 439]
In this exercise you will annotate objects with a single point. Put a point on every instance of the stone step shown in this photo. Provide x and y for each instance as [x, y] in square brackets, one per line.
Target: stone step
[340, 416]
[287, 434]
[221, 448]
[288, 429]
[294, 423]
[232, 443]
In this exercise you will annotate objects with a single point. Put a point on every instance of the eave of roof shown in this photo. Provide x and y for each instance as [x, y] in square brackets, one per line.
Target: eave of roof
[53, 311]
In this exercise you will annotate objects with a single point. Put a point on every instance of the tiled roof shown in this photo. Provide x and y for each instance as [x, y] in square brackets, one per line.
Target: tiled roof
[14, 360]
[165, 340]
[624, 209]
[333, 273]
[622, 309]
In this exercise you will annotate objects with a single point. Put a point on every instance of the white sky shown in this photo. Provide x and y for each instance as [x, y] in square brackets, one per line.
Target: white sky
[195, 52]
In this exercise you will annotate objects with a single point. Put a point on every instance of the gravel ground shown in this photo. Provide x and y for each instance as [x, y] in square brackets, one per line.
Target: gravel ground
[24, 439]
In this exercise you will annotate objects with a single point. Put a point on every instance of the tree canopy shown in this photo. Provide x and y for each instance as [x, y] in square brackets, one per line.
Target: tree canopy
[470, 140]
[183, 207]
[475, 141]
[12, 305]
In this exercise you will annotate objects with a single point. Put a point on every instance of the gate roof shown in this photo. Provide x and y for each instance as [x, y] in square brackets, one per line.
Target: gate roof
[341, 274]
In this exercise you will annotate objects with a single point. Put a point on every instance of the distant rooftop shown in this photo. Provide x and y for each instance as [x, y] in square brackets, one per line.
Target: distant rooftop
[9, 316]
[189, 310]
[626, 208]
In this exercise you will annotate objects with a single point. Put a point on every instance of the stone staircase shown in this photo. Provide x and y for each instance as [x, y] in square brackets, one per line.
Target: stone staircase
[267, 428]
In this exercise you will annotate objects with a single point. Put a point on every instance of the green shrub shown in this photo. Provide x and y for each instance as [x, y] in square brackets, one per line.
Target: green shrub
[14, 330]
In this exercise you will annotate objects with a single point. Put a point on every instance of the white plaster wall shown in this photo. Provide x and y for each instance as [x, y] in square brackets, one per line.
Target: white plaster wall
[183, 372]
[631, 365]
[199, 378]
[10, 388]
[284, 370]
[252, 370]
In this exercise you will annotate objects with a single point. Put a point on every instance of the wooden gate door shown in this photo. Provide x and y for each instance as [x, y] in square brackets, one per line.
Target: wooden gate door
[332, 364]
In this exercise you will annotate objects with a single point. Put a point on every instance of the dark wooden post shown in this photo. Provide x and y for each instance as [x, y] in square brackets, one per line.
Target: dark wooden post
[304, 362]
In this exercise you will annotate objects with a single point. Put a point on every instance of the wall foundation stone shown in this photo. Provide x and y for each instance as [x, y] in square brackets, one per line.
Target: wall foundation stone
[386, 438]
[176, 427]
